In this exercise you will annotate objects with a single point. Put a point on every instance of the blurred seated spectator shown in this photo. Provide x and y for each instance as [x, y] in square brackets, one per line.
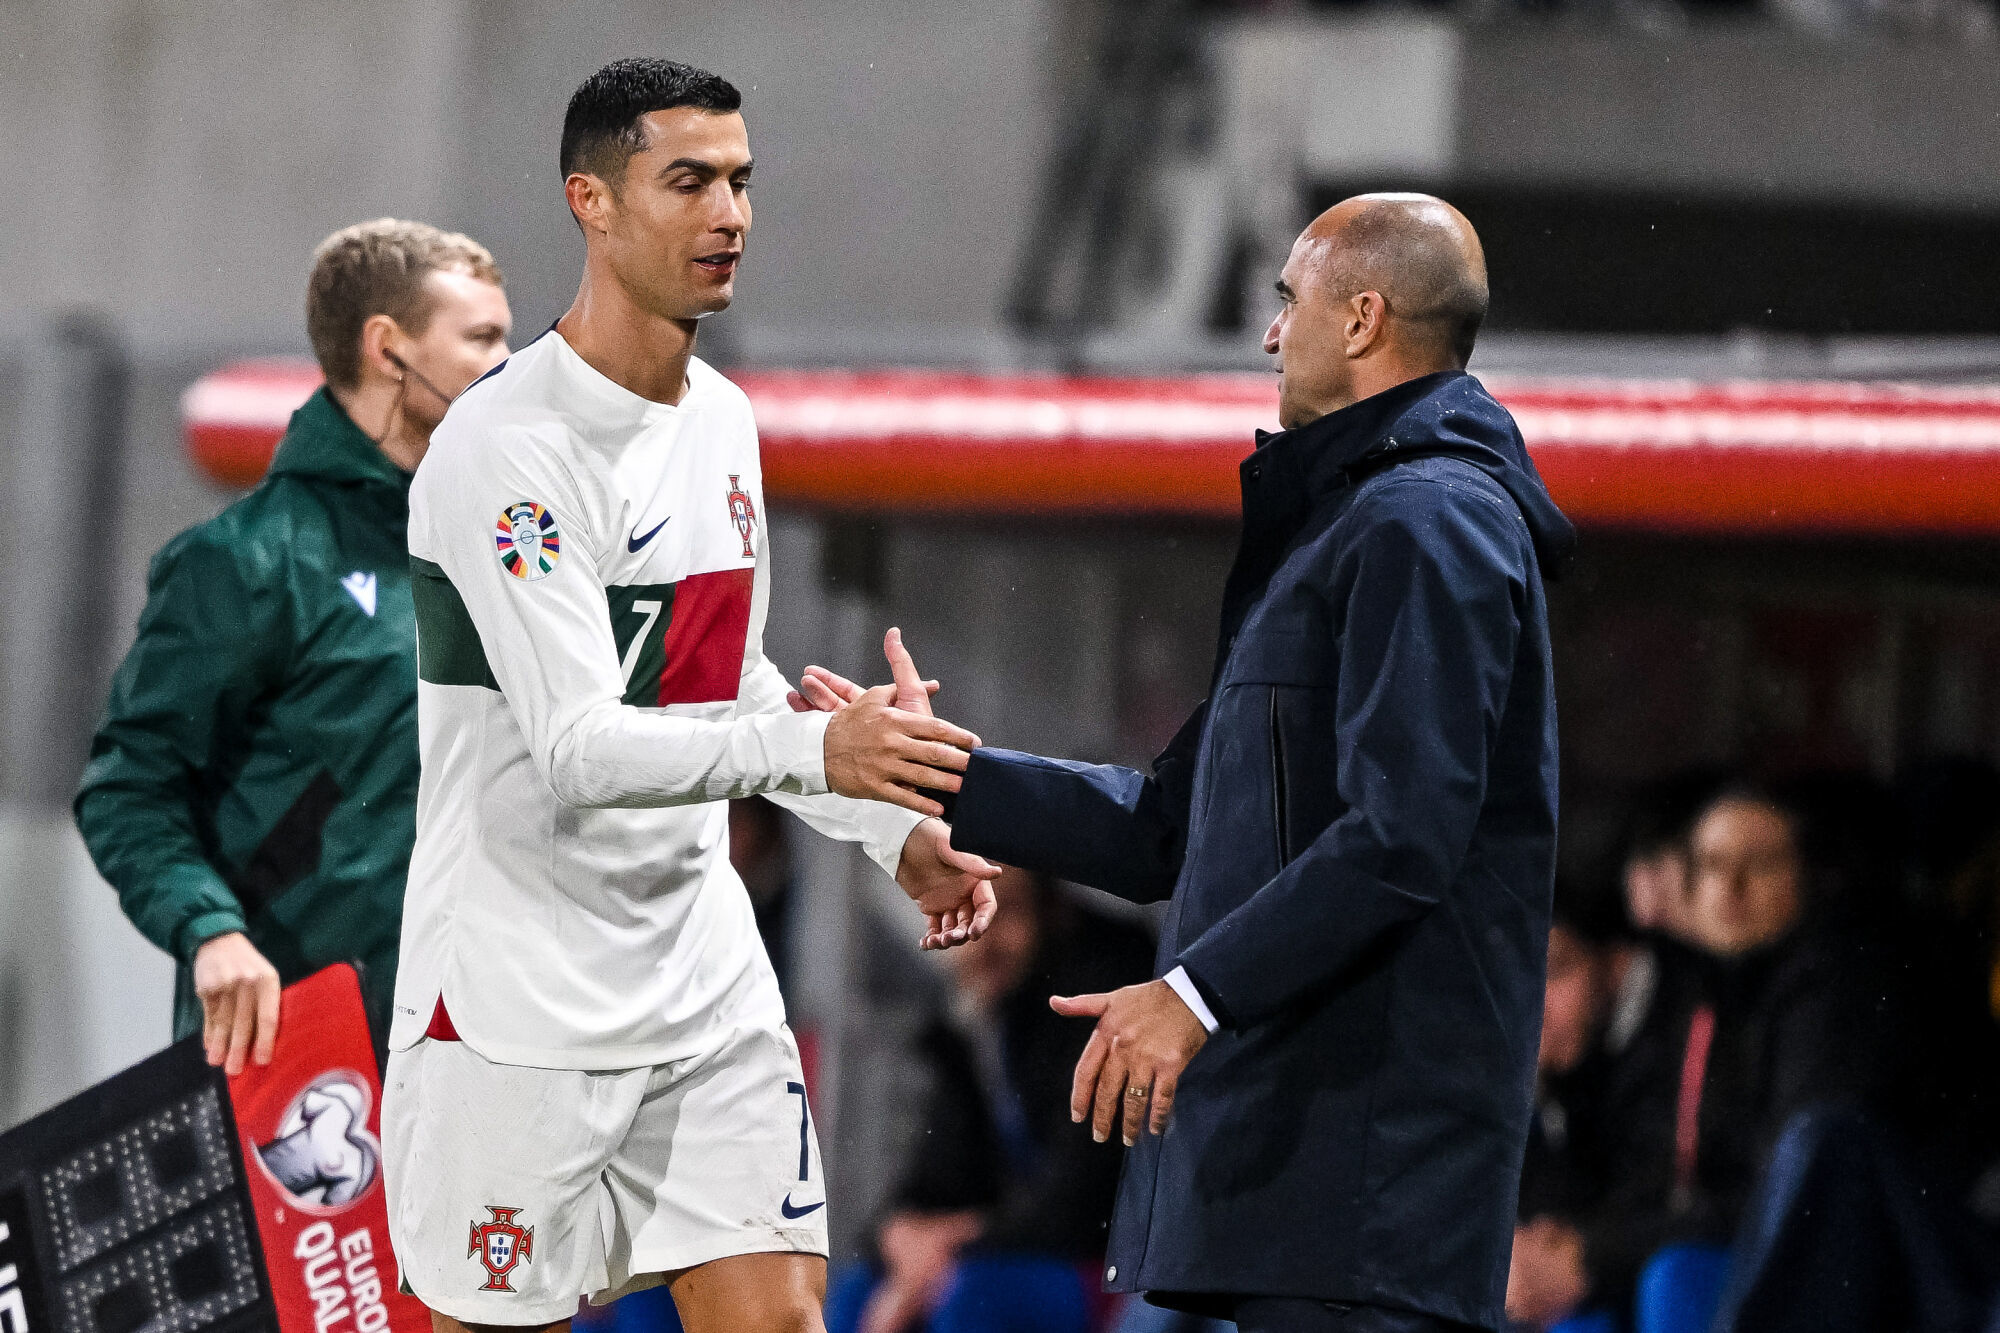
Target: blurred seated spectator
[1656, 870]
[1860, 1221]
[1772, 1012]
[1785, 1014]
[998, 1220]
[1651, 960]
[1585, 1079]
[1563, 1176]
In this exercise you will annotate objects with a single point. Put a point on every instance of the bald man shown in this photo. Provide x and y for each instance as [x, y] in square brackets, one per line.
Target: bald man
[1326, 1093]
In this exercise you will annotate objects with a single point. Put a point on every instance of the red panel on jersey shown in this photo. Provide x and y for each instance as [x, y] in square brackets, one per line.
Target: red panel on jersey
[705, 637]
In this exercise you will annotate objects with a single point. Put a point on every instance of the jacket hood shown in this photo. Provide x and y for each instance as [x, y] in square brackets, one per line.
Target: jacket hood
[1448, 413]
[322, 441]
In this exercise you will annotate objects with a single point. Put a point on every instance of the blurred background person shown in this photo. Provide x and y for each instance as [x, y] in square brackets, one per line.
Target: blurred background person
[1777, 1017]
[1763, 1069]
[251, 792]
[1856, 1222]
[998, 1218]
[1656, 875]
[1647, 1149]
[1571, 1155]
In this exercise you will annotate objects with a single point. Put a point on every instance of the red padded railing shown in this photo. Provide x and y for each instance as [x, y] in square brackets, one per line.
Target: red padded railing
[1739, 457]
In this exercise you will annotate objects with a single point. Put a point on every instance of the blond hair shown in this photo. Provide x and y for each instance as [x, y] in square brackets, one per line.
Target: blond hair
[378, 268]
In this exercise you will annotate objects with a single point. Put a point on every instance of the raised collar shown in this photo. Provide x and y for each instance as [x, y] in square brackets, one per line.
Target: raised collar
[322, 441]
[1318, 457]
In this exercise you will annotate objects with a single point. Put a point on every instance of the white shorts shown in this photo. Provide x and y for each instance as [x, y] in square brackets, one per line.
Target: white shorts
[513, 1191]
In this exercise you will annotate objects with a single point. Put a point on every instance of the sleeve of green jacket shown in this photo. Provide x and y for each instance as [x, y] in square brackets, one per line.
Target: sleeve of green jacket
[209, 643]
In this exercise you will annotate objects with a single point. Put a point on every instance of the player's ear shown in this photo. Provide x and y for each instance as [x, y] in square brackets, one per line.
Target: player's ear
[589, 199]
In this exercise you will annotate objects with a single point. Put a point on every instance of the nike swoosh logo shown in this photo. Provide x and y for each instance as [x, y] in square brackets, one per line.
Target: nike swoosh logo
[635, 541]
[796, 1213]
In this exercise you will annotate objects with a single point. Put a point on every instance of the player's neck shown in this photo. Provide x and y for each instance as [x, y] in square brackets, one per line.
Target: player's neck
[633, 348]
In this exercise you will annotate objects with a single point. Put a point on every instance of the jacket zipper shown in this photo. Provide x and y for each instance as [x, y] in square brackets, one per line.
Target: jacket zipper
[1277, 778]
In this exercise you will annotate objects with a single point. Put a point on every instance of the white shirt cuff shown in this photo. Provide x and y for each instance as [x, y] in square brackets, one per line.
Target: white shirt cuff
[1183, 986]
[885, 831]
[799, 750]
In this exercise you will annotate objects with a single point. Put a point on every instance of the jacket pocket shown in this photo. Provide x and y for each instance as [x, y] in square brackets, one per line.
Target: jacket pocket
[1280, 820]
[1305, 788]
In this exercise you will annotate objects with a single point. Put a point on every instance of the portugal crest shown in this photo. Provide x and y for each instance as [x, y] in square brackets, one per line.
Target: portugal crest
[500, 1245]
[528, 541]
[742, 513]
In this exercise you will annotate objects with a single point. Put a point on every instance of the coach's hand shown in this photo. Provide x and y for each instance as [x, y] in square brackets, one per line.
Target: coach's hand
[238, 988]
[879, 752]
[1145, 1037]
[953, 889]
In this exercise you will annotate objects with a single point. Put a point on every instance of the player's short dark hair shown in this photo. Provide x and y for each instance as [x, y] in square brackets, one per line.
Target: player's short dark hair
[601, 130]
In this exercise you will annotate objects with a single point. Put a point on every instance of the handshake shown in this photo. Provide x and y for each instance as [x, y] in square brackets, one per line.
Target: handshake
[883, 744]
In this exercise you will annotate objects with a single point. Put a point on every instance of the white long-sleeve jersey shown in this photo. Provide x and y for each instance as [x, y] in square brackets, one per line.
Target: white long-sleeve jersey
[591, 580]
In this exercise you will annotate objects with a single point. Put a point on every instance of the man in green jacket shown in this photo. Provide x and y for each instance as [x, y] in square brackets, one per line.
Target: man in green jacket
[251, 793]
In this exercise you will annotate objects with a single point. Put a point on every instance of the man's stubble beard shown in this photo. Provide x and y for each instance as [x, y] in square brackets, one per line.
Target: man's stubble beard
[678, 307]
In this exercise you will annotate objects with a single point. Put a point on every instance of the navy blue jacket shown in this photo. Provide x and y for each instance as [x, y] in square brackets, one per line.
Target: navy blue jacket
[1357, 833]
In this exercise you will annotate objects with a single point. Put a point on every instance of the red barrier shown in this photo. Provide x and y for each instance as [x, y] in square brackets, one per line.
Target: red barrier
[1748, 457]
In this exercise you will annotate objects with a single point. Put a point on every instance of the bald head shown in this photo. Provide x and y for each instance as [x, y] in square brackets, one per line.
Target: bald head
[1380, 289]
[1418, 251]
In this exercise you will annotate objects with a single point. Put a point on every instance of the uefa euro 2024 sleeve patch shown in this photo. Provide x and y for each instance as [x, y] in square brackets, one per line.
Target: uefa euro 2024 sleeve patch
[528, 540]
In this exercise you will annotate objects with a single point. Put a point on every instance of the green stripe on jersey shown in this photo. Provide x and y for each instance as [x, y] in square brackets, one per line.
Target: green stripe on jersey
[448, 647]
[449, 651]
[640, 614]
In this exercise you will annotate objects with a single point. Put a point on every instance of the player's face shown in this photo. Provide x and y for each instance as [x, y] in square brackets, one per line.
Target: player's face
[676, 223]
[1308, 340]
[465, 338]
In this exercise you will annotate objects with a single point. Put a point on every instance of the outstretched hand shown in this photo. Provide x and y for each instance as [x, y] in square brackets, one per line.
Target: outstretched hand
[953, 889]
[1130, 1070]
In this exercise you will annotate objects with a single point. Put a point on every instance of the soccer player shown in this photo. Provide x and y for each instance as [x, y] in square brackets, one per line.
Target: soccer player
[252, 791]
[592, 1088]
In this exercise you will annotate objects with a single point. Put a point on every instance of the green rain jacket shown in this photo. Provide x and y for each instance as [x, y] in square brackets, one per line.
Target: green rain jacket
[256, 769]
